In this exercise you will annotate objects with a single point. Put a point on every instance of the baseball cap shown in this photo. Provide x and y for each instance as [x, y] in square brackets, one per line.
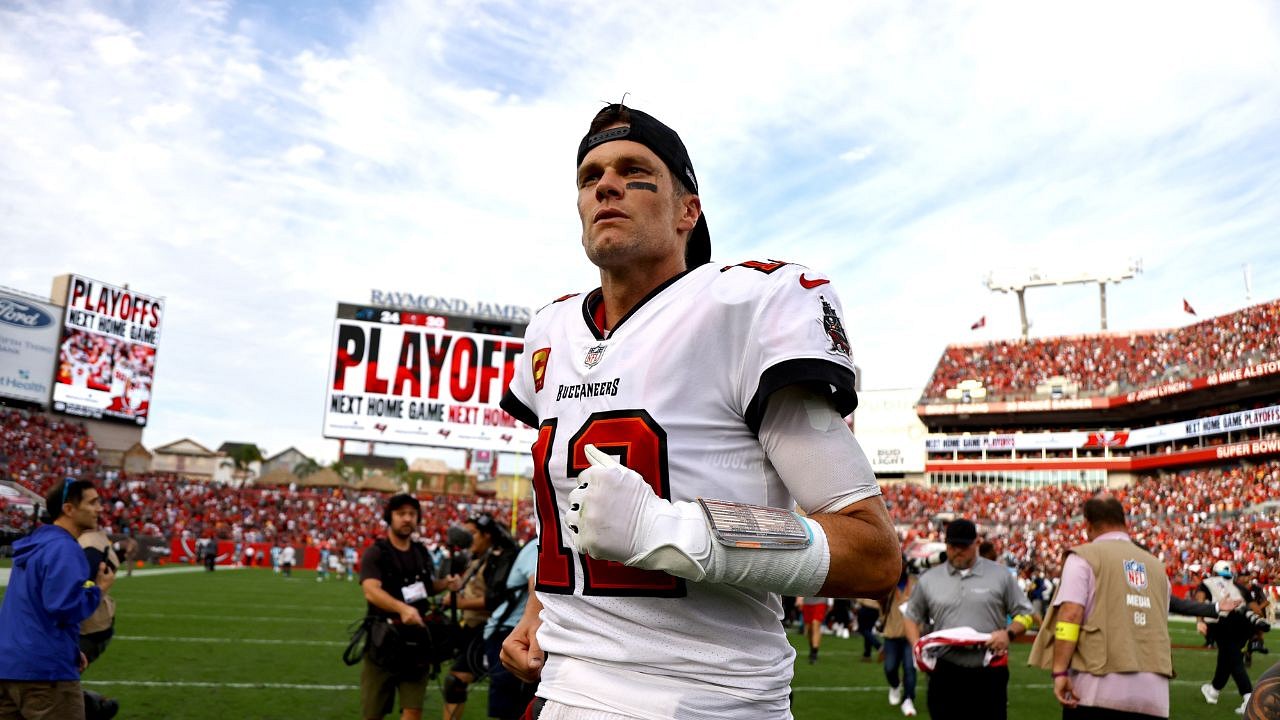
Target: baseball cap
[647, 130]
[1222, 568]
[961, 532]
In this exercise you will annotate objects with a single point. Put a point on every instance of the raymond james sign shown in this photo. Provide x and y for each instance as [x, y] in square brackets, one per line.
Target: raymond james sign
[451, 306]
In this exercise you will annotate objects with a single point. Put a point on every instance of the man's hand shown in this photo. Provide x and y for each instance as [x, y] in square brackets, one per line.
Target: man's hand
[453, 583]
[1226, 605]
[999, 642]
[521, 653]
[82, 662]
[106, 578]
[1065, 691]
[409, 615]
[615, 515]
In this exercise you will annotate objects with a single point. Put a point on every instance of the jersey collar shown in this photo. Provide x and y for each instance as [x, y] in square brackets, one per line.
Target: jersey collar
[593, 307]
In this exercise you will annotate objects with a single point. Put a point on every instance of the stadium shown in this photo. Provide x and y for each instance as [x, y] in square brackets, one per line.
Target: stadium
[1182, 425]
[338, 374]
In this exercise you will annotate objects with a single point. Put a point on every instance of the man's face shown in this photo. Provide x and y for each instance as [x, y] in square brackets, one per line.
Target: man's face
[404, 520]
[628, 206]
[962, 557]
[85, 513]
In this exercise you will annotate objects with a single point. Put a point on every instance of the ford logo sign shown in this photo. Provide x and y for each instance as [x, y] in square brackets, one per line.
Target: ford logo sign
[20, 314]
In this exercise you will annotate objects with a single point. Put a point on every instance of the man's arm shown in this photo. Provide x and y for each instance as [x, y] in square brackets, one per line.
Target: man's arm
[68, 592]
[913, 631]
[1064, 646]
[521, 653]
[1186, 606]
[615, 515]
[823, 466]
[382, 600]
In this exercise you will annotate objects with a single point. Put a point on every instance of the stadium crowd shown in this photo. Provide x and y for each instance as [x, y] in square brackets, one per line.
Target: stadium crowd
[1190, 518]
[1112, 363]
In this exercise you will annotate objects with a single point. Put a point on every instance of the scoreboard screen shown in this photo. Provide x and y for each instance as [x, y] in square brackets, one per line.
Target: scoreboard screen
[420, 378]
[107, 352]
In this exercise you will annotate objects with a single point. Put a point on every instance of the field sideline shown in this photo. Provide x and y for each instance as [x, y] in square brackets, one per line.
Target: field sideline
[253, 644]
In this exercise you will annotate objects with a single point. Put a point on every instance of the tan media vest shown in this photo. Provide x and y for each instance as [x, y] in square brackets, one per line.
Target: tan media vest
[1128, 630]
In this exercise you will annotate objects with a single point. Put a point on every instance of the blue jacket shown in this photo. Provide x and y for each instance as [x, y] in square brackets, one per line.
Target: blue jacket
[44, 604]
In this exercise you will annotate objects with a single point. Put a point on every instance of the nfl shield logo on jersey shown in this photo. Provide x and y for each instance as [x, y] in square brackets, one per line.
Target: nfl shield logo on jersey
[593, 355]
[1136, 574]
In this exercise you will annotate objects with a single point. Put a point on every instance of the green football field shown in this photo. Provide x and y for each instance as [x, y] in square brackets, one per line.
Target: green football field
[253, 644]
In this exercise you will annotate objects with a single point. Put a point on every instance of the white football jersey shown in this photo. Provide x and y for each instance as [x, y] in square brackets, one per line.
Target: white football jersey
[677, 390]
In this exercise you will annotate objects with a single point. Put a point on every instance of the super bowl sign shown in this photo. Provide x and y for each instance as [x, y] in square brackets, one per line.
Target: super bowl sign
[28, 347]
[394, 380]
[107, 355]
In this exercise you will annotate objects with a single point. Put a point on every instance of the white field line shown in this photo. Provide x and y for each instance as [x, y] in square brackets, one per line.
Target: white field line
[219, 685]
[242, 618]
[4, 572]
[230, 641]
[353, 609]
[182, 569]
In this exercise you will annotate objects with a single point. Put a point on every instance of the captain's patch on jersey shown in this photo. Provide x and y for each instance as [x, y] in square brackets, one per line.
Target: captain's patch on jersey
[540, 358]
[834, 328]
[594, 354]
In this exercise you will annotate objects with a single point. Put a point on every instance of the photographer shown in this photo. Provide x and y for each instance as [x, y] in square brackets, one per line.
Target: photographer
[395, 574]
[51, 590]
[484, 588]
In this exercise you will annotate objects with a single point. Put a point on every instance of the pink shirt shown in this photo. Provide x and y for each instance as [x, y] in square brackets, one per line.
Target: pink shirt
[1146, 693]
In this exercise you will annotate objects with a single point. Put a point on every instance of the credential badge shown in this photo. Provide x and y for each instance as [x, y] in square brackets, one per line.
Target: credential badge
[1135, 573]
[594, 354]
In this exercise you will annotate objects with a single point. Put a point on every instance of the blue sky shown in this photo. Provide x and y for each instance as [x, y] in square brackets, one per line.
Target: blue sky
[256, 163]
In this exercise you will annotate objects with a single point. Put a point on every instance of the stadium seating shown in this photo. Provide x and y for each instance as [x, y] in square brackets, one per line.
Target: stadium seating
[1108, 364]
[1190, 518]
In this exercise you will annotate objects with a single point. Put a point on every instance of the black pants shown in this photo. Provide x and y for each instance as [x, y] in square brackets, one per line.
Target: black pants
[1231, 663]
[1084, 712]
[964, 693]
[867, 629]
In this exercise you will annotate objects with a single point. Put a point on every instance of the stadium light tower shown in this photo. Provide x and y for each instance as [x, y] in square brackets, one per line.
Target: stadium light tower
[1019, 282]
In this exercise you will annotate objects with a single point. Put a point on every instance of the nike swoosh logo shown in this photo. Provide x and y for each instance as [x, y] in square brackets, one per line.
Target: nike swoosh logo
[808, 284]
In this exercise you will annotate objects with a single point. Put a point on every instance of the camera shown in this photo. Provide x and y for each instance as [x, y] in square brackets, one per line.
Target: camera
[921, 556]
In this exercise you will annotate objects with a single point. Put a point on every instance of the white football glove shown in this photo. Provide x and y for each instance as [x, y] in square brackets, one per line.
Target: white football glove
[615, 515]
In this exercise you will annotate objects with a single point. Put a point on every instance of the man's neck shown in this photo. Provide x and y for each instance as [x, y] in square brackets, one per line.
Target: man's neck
[69, 525]
[398, 542]
[624, 288]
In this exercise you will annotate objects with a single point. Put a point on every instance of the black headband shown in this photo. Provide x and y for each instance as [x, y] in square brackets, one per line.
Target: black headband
[666, 144]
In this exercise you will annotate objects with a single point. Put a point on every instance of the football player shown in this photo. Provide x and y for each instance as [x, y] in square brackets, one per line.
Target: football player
[683, 410]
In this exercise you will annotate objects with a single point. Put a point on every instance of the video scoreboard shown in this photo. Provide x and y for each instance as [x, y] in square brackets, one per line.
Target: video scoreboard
[423, 378]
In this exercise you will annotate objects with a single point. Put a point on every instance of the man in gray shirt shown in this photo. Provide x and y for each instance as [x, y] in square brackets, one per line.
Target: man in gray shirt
[968, 591]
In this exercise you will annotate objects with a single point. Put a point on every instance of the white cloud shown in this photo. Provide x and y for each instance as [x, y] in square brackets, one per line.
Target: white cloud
[117, 50]
[303, 154]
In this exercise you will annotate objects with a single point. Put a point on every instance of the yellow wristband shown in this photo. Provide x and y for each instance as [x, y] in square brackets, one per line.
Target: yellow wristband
[1026, 621]
[1066, 632]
